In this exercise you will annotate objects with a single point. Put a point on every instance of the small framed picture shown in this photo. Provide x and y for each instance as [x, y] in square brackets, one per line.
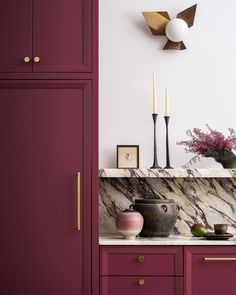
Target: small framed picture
[127, 156]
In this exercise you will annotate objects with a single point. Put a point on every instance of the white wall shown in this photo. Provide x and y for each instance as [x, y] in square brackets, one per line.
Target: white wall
[201, 79]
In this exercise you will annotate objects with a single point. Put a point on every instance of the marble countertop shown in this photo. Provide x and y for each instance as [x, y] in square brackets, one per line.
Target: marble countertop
[117, 240]
[167, 173]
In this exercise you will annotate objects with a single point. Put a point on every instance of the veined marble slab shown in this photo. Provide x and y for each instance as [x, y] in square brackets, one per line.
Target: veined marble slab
[201, 200]
[167, 173]
[116, 240]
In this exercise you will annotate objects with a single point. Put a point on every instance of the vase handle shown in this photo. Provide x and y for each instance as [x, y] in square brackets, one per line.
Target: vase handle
[178, 207]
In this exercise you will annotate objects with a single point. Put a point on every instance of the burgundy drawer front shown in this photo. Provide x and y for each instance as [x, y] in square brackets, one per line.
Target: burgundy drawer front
[130, 285]
[135, 260]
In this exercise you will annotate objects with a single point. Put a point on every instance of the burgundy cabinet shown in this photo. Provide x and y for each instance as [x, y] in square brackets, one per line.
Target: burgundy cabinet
[46, 139]
[54, 36]
[132, 270]
[167, 270]
[138, 260]
[140, 285]
[15, 35]
[62, 35]
[210, 270]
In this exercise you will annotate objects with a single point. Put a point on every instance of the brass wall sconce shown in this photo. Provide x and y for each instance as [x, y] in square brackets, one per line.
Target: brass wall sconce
[175, 30]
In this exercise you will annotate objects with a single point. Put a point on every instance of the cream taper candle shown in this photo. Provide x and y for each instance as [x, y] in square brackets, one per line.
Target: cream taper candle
[167, 103]
[154, 94]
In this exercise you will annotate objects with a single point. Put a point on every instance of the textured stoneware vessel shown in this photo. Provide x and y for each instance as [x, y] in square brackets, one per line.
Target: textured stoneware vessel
[226, 158]
[129, 223]
[159, 216]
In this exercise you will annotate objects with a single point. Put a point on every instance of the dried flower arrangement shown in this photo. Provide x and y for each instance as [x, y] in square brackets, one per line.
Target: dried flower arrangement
[211, 144]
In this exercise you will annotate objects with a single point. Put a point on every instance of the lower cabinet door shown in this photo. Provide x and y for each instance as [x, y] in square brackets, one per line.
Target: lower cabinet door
[45, 129]
[210, 270]
[138, 285]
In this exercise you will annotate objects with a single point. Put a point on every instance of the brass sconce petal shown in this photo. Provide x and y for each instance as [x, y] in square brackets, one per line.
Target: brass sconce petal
[188, 15]
[174, 45]
[157, 21]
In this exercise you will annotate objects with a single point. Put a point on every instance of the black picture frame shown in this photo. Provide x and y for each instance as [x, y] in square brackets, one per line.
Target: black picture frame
[118, 154]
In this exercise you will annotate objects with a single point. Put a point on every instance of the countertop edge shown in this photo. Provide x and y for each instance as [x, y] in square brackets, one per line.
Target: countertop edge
[170, 241]
[166, 173]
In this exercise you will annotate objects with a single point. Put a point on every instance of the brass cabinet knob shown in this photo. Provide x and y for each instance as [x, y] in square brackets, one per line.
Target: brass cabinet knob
[141, 282]
[26, 59]
[36, 59]
[141, 258]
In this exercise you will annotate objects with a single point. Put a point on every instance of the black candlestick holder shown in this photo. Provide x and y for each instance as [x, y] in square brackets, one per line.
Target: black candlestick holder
[168, 166]
[155, 162]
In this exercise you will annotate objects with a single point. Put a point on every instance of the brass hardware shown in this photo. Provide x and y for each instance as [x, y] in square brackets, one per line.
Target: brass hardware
[78, 201]
[188, 15]
[141, 259]
[26, 59]
[141, 282]
[220, 259]
[36, 59]
[174, 45]
[158, 20]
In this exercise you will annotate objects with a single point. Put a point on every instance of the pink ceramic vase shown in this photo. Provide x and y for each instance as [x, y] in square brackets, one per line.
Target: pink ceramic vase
[129, 223]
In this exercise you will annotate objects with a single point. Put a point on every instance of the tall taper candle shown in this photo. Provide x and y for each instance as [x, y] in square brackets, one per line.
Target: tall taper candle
[154, 94]
[167, 103]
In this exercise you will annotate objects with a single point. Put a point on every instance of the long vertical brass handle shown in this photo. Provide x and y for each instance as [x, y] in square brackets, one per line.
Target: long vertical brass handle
[78, 201]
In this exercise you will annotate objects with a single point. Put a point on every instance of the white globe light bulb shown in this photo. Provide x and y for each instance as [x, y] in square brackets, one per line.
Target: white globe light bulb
[177, 30]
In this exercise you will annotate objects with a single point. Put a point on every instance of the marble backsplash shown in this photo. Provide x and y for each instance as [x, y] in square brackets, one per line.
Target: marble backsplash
[201, 200]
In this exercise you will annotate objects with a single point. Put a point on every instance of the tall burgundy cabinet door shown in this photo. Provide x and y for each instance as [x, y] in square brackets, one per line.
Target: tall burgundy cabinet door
[210, 270]
[15, 35]
[62, 35]
[45, 134]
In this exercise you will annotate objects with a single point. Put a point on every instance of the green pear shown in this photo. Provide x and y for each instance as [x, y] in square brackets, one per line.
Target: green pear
[198, 230]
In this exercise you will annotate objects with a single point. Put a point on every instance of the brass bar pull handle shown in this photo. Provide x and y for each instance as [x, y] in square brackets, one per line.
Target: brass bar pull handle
[78, 201]
[220, 258]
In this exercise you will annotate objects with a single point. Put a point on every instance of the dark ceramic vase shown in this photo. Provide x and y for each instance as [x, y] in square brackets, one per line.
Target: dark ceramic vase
[159, 216]
[229, 164]
[226, 158]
